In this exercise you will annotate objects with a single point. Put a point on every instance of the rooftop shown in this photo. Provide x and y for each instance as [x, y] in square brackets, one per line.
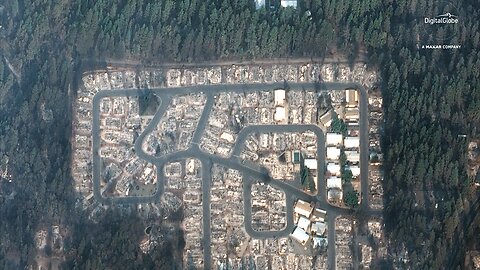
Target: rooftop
[333, 153]
[326, 118]
[311, 163]
[319, 228]
[303, 208]
[289, 3]
[300, 235]
[279, 114]
[352, 97]
[303, 223]
[279, 97]
[333, 168]
[334, 182]
[334, 138]
[319, 215]
[351, 142]
[352, 113]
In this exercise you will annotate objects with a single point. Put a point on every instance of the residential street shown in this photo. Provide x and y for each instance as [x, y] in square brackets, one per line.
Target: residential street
[251, 174]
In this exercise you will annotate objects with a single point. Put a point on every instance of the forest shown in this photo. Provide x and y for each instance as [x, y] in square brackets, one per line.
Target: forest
[430, 97]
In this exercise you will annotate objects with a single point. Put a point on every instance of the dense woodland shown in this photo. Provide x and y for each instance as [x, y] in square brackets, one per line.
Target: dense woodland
[430, 97]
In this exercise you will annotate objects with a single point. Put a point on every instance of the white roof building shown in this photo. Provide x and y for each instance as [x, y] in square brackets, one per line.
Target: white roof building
[279, 114]
[355, 170]
[318, 228]
[334, 139]
[289, 3]
[333, 168]
[311, 163]
[279, 97]
[351, 142]
[333, 153]
[334, 182]
[300, 235]
[303, 208]
[303, 223]
[353, 156]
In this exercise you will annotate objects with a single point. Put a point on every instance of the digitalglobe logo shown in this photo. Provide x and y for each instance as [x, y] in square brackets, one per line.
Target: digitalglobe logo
[446, 18]
[441, 26]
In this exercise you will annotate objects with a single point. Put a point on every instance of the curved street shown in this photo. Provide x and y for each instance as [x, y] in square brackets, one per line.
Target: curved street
[249, 172]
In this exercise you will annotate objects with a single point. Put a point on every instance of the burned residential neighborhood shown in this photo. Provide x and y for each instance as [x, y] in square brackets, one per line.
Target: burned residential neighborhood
[264, 163]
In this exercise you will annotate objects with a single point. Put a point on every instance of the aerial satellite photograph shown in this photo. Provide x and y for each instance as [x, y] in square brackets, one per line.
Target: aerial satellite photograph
[239, 134]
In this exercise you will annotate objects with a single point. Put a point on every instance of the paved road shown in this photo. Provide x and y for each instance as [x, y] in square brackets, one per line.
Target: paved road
[355, 256]
[252, 173]
[96, 149]
[244, 134]
[247, 201]
[132, 63]
[206, 177]
[331, 252]
[364, 148]
[202, 122]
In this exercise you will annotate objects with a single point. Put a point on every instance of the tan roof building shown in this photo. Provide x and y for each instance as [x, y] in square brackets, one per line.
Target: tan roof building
[303, 208]
[352, 114]
[319, 215]
[326, 118]
[352, 97]
[353, 156]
